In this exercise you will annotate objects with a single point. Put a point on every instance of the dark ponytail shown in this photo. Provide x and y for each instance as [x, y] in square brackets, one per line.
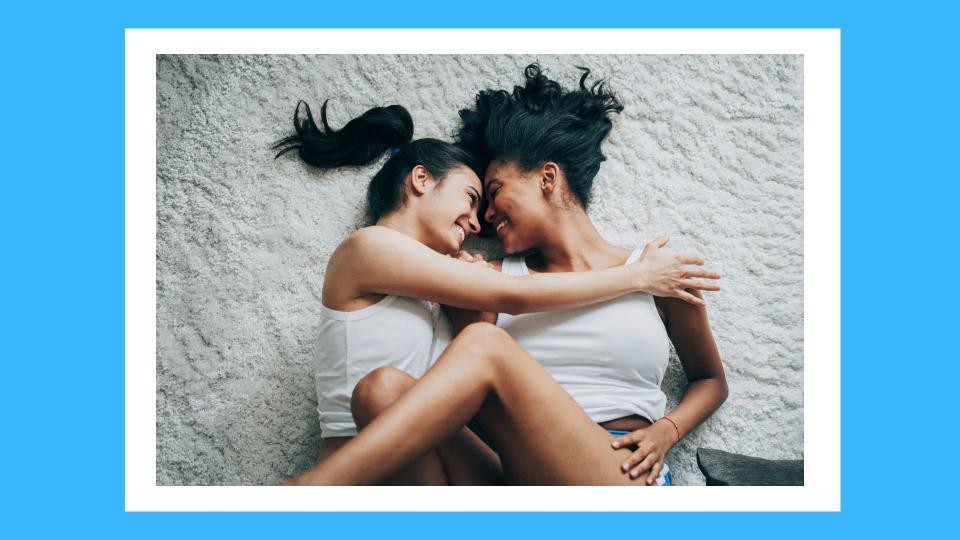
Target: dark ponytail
[366, 138]
[540, 122]
[359, 142]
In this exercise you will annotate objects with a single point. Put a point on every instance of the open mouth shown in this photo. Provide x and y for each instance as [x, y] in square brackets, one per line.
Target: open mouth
[461, 232]
[501, 224]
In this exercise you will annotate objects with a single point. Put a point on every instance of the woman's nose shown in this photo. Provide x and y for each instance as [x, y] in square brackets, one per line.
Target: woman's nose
[488, 213]
[474, 223]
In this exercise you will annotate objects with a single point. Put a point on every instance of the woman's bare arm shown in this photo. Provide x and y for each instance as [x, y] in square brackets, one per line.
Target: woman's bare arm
[689, 330]
[461, 318]
[394, 263]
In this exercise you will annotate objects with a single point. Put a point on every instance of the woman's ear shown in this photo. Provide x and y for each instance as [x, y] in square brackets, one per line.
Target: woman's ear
[419, 179]
[549, 177]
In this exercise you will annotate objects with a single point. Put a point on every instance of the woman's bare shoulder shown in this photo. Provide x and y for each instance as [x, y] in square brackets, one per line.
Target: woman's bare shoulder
[340, 289]
[364, 236]
[353, 247]
[366, 242]
[680, 313]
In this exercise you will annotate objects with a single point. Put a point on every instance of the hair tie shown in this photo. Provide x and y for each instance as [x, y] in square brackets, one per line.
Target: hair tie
[394, 151]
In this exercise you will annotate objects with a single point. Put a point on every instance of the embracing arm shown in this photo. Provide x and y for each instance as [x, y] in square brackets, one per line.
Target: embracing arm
[394, 263]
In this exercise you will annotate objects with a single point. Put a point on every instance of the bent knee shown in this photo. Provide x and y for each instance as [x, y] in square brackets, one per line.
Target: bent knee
[484, 333]
[484, 344]
[377, 390]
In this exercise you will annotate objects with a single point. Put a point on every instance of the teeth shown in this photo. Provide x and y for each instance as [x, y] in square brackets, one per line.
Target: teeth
[501, 225]
[462, 234]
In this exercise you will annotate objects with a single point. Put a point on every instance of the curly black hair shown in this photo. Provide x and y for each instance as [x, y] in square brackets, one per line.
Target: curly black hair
[541, 122]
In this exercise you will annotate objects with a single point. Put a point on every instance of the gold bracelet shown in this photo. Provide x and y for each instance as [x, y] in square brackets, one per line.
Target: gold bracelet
[668, 419]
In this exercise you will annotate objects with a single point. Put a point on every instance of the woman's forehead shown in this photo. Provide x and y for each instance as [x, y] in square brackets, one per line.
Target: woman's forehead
[467, 177]
[500, 170]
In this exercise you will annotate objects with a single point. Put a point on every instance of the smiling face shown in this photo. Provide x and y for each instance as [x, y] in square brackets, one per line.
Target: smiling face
[449, 212]
[517, 206]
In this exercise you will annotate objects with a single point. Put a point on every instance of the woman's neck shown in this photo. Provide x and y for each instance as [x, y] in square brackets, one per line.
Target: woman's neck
[573, 244]
[404, 222]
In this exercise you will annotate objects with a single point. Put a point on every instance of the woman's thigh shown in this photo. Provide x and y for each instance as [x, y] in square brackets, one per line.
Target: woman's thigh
[464, 458]
[329, 446]
[540, 432]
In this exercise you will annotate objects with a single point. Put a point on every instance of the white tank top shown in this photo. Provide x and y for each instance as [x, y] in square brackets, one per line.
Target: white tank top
[610, 356]
[397, 331]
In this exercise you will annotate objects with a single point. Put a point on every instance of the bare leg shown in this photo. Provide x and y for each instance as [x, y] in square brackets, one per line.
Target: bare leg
[542, 435]
[329, 446]
[463, 460]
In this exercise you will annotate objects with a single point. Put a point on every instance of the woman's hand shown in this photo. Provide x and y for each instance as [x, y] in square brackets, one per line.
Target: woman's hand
[669, 275]
[652, 444]
[473, 259]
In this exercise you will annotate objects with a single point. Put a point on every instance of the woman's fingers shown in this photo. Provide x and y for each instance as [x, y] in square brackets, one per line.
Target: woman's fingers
[635, 458]
[690, 259]
[623, 441]
[691, 284]
[645, 459]
[702, 273]
[654, 245]
[466, 256]
[697, 272]
[644, 465]
[654, 472]
[689, 298]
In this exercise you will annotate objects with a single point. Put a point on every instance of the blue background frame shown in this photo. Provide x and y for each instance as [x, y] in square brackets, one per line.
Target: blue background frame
[61, 221]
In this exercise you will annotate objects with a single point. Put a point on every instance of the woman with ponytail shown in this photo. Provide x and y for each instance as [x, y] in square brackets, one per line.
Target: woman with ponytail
[382, 281]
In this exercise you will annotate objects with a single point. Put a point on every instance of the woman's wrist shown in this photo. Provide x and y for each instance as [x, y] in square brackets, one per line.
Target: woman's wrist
[641, 281]
[669, 429]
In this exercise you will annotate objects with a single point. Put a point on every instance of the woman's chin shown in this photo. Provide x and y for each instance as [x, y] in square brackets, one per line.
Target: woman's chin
[505, 243]
[451, 244]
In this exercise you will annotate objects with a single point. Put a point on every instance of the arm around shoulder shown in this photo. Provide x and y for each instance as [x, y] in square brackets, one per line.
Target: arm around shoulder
[390, 262]
[386, 261]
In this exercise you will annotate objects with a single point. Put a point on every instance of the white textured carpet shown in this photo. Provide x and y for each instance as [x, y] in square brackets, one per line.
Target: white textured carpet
[709, 150]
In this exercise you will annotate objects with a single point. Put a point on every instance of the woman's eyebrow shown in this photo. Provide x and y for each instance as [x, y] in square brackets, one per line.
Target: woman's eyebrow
[479, 195]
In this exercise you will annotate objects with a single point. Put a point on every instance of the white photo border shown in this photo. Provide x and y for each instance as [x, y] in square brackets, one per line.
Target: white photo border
[821, 225]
